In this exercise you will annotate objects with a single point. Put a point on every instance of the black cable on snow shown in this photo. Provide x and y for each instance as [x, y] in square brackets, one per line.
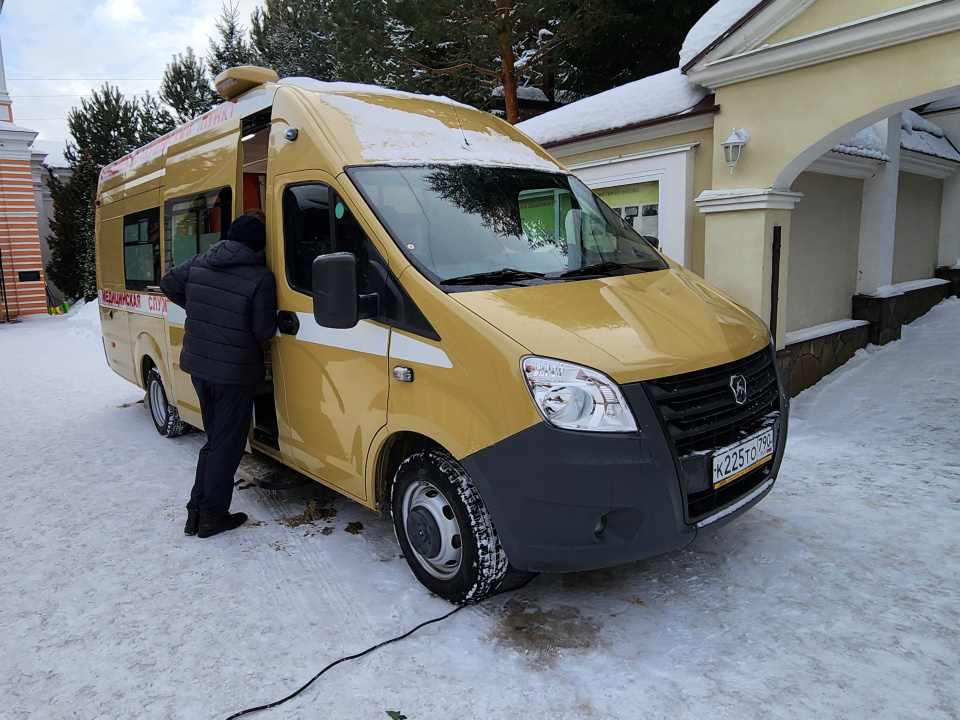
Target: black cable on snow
[360, 655]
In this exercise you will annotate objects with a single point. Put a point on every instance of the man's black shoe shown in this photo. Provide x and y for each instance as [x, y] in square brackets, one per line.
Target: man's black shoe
[193, 522]
[212, 525]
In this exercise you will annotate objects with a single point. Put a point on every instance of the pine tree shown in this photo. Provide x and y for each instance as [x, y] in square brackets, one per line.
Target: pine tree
[153, 120]
[230, 48]
[104, 128]
[186, 88]
[294, 38]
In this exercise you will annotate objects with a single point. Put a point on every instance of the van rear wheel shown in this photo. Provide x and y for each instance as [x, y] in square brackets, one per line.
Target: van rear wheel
[166, 417]
[444, 529]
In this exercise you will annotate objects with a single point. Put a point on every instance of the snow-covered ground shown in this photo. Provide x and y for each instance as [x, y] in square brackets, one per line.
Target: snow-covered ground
[837, 597]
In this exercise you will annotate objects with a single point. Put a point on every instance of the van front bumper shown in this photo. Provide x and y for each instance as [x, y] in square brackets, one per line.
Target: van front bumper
[565, 501]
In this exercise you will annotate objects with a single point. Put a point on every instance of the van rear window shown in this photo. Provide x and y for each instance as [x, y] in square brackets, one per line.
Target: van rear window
[469, 226]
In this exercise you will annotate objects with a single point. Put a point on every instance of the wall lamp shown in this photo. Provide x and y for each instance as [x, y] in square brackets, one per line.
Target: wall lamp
[733, 146]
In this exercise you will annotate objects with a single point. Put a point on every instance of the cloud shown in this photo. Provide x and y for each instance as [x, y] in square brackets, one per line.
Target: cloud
[117, 39]
[120, 12]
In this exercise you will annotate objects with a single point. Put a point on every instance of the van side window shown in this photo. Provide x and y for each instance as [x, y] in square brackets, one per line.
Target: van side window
[317, 221]
[195, 223]
[141, 249]
[306, 231]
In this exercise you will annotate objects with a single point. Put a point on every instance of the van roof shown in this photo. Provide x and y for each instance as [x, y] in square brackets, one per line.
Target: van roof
[368, 124]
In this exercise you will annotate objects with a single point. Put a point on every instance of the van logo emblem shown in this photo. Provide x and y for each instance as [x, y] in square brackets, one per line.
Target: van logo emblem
[738, 383]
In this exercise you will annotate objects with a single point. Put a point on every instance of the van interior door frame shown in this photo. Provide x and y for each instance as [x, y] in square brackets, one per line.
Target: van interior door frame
[252, 184]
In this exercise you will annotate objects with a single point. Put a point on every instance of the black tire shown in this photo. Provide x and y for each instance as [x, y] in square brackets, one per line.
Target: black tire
[444, 529]
[166, 417]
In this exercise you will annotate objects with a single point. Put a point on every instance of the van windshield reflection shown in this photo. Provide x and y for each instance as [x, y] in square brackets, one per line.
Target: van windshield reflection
[469, 227]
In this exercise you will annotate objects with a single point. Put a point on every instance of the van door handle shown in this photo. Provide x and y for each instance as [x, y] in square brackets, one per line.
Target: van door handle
[288, 322]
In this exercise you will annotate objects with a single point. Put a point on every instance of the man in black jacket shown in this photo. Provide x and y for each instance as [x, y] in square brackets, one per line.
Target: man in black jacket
[231, 301]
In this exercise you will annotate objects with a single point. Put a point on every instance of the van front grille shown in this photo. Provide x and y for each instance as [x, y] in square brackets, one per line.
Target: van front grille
[700, 415]
[699, 410]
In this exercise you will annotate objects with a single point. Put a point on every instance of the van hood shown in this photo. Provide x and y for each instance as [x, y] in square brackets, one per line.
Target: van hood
[631, 327]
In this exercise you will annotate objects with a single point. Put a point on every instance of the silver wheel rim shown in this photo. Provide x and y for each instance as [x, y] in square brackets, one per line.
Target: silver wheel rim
[158, 404]
[423, 496]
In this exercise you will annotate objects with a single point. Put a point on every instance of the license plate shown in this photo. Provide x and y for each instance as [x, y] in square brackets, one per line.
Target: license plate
[737, 460]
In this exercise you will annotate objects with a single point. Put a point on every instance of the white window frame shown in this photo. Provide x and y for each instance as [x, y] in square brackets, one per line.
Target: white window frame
[672, 167]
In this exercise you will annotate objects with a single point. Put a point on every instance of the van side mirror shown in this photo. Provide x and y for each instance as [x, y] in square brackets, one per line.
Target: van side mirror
[336, 303]
[335, 291]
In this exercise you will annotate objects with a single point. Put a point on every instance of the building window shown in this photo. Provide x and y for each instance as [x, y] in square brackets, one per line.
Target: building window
[141, 249]
[195, 223]
[638, 204]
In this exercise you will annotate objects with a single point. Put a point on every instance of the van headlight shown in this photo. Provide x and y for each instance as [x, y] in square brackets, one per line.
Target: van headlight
[574, 397]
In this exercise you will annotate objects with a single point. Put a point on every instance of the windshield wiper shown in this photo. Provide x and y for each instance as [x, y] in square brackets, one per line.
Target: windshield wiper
[503, 275]
[601, 269]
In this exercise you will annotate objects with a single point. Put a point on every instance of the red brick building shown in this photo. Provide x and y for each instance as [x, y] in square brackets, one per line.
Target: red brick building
[22, 286]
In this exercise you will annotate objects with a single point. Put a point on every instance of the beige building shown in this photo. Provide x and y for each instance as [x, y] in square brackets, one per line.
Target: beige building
[840, 220]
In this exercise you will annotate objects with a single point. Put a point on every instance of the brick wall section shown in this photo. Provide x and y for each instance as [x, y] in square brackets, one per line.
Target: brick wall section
[20, 241]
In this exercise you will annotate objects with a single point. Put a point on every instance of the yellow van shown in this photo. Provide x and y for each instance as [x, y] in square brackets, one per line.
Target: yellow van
[467, 335]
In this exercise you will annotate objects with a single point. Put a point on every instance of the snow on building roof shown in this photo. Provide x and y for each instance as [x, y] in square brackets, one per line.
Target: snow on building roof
[923, 136]
[663, 95]
[866, 143]
[919, 135]
[714, 23]
[54, 151]
[10, 127]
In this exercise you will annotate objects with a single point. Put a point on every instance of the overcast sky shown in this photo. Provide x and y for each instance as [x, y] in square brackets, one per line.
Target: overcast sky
[57, 50]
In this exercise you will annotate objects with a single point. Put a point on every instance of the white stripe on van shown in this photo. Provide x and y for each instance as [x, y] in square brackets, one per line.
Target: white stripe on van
[365, 337]
[372, 339]
[404, 347]
[176, 315]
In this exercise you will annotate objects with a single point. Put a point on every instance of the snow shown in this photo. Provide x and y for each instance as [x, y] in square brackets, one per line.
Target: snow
[524, 92]
[799, 336]
[900, 288]
[320, 86]
[714, 23]
[923, 136]
[837, 596]
[866, 143]
[391, 135]
[912, 122]
[668, 93]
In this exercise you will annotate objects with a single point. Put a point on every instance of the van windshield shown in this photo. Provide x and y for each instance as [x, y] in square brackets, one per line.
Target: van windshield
[468, 226]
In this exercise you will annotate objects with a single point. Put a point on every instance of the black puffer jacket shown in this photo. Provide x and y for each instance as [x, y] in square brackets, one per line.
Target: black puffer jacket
[231, 301]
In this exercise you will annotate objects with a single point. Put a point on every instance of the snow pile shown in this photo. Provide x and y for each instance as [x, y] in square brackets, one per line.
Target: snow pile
[866, 143]
[714, 23]
[668, 93]
[395, 136]
[923, 136]
[84, 318]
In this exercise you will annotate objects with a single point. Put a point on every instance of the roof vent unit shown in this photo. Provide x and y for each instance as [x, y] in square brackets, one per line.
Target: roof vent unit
[237, 80]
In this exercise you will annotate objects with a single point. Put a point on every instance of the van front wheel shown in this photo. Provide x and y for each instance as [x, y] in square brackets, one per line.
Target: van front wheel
[166, 417]
[444, 529]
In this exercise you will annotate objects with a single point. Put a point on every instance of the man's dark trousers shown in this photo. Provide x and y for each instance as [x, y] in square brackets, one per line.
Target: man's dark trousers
[226, 412]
